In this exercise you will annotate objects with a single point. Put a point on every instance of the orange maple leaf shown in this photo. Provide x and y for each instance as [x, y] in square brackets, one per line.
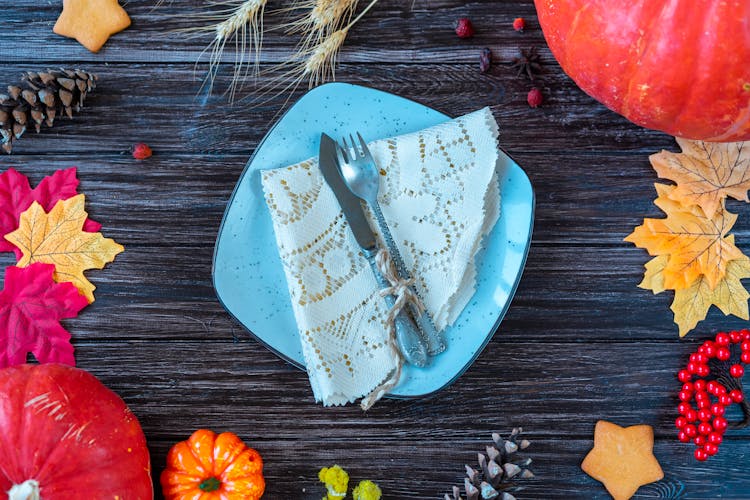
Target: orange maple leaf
[695, 243]
[706, 172]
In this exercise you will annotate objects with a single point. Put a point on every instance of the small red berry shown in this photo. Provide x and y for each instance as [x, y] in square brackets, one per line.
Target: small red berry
[687, 386]
[704, 403]
[709, 349]
[699, 385]
[700, 440]
[680, 422]
[705, 428]
[735, 337]
[703, 371]
[725, 400]
[712, 386]
[701, 455]
[692, 367]
[745, 345]
[722, 339]
[684, 376]
[141, 151]
[464, 28]
[745, 334]
[718, 410]
[723, 354]
[691, 415]
[535, 98]
[705, 415]
[519, 24]
[684, 438]
[711, 449]
[702, 395]
[683, 407]
[701, 358]
[737, 371]
[690, 430]
[715, 438]
[685, 396]
[736, 395]
[745, 357]
[720, 424]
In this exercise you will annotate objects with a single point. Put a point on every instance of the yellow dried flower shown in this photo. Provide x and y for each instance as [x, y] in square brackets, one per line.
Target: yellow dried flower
[336, 480]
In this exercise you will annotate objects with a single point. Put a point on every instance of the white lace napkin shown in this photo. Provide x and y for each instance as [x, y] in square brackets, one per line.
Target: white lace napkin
[440, 196]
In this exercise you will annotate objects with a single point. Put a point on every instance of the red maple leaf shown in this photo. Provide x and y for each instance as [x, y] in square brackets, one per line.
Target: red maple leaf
[16, 196]
[31, 307]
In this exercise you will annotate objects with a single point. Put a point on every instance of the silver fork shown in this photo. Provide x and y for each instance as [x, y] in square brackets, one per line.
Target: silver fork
[362, 177]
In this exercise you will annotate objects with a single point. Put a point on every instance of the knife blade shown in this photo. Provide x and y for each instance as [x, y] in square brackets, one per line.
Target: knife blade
[350, 204]
[407, 334]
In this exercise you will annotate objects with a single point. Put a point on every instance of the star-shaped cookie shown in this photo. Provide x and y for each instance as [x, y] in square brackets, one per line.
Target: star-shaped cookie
[622, 458]
[91, 22]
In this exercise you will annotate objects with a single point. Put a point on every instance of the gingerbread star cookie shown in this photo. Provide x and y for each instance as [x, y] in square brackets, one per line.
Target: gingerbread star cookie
[622, 458]
[91, 22]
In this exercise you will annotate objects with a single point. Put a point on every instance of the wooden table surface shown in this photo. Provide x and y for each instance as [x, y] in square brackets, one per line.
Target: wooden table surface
[580, 343]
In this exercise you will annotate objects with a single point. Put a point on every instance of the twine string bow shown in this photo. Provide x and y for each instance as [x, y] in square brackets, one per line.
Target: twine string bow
[400, 287]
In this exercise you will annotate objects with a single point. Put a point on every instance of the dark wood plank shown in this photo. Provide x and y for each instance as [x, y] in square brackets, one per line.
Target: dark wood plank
[173, 118]
[392, 31]
[416, 449]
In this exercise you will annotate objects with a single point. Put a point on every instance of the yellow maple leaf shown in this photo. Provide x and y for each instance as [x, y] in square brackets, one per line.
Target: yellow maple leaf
[706, 172]
[691, 305]
[694, 243]
[653, 278]
[57, 238]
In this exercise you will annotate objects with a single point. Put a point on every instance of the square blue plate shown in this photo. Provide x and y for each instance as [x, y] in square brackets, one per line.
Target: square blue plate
[247, 271]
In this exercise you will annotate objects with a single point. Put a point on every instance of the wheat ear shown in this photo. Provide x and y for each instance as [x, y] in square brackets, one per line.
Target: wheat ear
[322, 18]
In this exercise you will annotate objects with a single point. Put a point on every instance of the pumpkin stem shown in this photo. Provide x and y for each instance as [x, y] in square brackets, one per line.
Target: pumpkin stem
[210, 484]
[28, 490]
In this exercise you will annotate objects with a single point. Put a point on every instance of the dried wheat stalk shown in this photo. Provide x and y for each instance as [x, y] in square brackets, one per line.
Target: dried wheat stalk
[238, 22]
[323, 30]
[314, 62]
[323, 17]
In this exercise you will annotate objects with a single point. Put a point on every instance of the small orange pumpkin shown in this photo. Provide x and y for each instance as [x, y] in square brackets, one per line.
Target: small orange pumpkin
[213, 467]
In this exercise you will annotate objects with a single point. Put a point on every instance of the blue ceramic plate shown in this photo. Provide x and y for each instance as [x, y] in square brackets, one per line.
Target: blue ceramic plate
[247, 272]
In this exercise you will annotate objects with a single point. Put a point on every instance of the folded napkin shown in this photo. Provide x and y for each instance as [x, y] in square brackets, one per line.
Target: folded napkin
[440, 196]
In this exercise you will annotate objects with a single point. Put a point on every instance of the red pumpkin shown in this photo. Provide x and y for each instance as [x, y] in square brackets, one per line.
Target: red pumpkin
[65, 435]
[681, 67]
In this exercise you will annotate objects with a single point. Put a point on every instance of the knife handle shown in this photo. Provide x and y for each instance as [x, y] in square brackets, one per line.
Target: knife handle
[435, 341]
[407, 335]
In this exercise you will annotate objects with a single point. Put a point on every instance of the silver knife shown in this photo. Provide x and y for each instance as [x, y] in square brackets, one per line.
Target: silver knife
[407, 335]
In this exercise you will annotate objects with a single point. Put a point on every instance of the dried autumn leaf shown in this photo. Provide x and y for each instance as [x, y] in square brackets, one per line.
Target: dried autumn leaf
[653, 278]
[691, 305]
[31, 307]
[16, 196]
[696, 244]
[706, 172]
[57, 238]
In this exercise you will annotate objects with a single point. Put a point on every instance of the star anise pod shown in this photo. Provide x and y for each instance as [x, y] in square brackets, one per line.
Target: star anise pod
[528, 63]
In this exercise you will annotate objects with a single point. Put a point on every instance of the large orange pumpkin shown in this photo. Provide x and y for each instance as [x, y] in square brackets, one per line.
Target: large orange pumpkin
[680, 66]
[65, 435]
